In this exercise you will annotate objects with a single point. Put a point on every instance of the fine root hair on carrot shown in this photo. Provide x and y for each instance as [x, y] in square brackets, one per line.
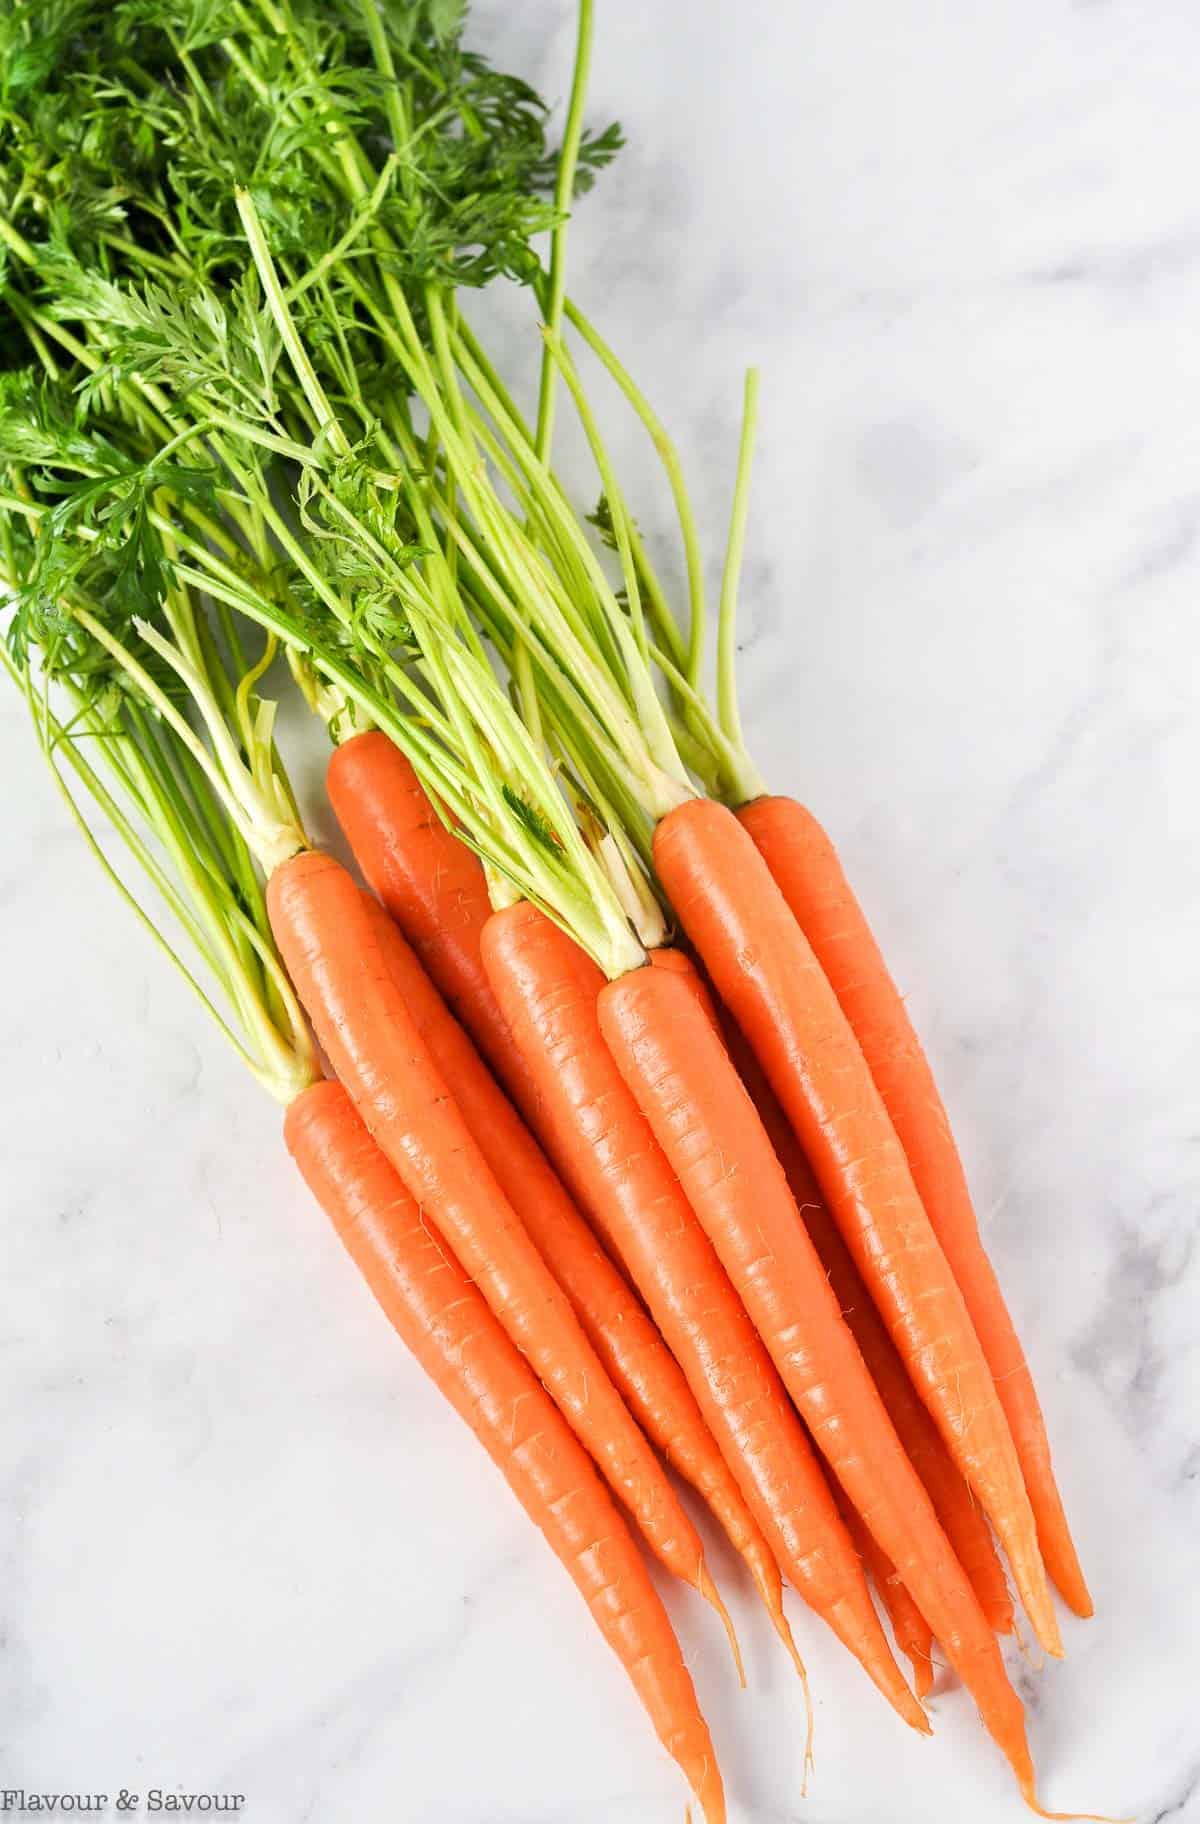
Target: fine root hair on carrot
[809, 1761]
[1029, 1794]
[1030, 1651]
[789, 1641]
[712, 1594]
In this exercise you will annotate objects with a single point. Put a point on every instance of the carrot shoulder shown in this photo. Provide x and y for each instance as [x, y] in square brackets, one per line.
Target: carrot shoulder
[548, 990]
[332, 953]
[432, 884]
[455, 1338]
[765, 972]
[805, 866]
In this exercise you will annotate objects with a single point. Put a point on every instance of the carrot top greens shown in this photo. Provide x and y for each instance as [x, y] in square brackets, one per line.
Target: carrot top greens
[247, 398]
[236, 231]
[195, 800]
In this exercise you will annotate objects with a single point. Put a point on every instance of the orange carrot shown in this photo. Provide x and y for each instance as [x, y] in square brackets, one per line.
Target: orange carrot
[435, 891]
[765, 972]
[960, 1518]
[955, 1506]
[641, 1366]
[804, 865]
[331, 950]
[547, 988]
[676, 1065]
[677, 962]
[449, 1329]
[432, 884]
[910, 1629]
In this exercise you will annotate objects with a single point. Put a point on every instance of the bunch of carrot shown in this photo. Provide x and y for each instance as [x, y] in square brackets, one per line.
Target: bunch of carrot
[666, 1122]
[627, 1127]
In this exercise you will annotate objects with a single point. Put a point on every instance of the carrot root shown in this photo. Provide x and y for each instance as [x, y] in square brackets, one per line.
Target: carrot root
[767, 974]
[961, 1517]
[435, 890]
[455, 1338]
[334, 952]
[1029, 1794]
[804, 865]
[606, 1153]
[712, 1595]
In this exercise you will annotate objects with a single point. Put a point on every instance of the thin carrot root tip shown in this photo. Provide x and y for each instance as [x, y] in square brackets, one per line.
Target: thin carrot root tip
[809, 1760]
[785, 1634]
[711, 1795]
[711, 1594]
[1029, 1794]
[1051, 1642]
[784, 1630]
[1032, 1652]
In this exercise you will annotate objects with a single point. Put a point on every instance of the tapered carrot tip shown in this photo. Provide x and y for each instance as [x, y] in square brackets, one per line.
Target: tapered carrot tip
[1022, 1765]
[810, 1721]
[1074, 1591]
[809, 1758]
[922, 1675]
[888, 1679]
[712, 1594]
[916, 1716]
[1062, 1560]
[710, 1794]
[1029, 1575]
[1029, 1794]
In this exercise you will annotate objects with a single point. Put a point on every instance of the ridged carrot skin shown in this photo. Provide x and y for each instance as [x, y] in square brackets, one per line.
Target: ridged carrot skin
[434, 890]
[642, 1368]
[910, 1630]
[764, 970]
[685, 1083]
[548, 990]
[678, 963]
[957, 1511]
[961, 1517]
[804, 865]
[432, 885]
[455, 1338]
[330, 948]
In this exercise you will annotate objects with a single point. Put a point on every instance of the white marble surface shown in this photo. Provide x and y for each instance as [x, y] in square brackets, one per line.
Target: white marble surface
[241, 1546]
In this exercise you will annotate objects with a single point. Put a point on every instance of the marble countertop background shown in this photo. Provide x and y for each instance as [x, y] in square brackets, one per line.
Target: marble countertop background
[242, 1547]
